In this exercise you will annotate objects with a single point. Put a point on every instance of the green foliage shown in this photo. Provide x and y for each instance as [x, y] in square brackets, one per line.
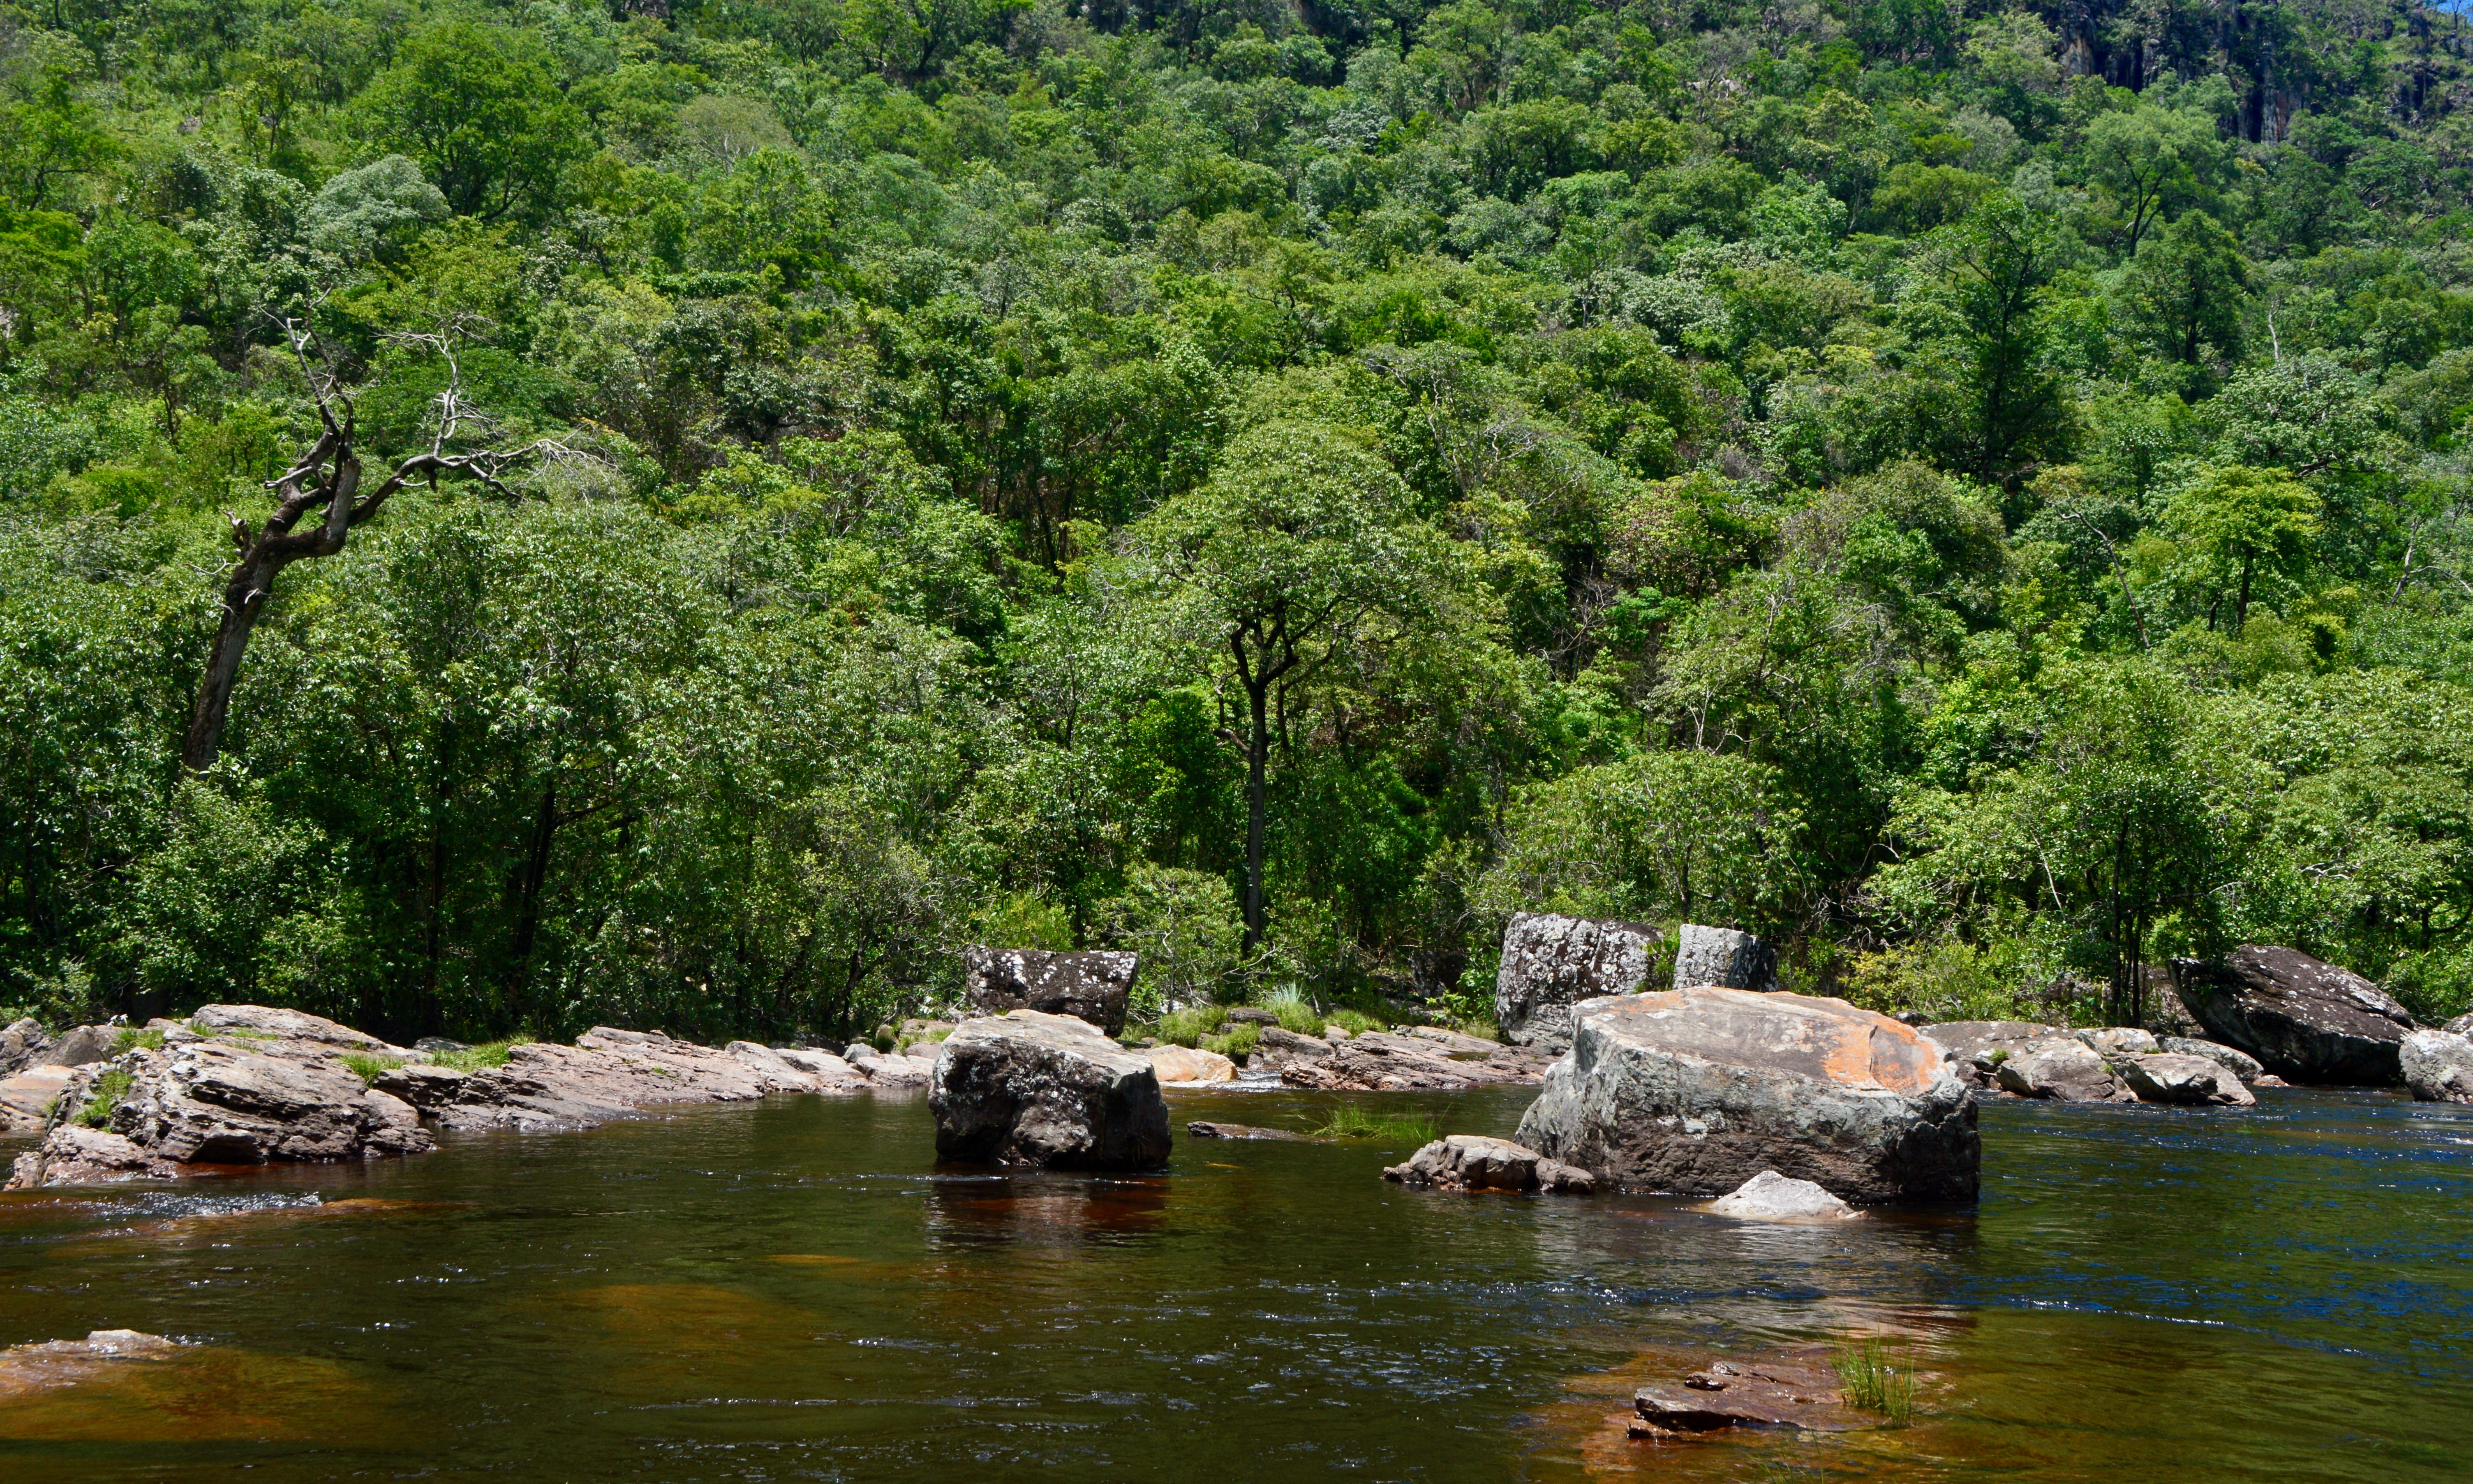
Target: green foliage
[474, 1059]
[1237, 1042]
[133, 1039]
[105, 1097]
[1354, 1120]
[1276, 491]
[1875, 1381]
[1193, 1025]
[369, 1068]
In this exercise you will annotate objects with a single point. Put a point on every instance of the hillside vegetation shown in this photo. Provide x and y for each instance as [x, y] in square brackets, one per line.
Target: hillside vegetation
[1976, 493]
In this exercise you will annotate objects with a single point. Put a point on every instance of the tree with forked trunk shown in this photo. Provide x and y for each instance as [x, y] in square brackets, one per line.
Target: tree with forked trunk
[325, 482]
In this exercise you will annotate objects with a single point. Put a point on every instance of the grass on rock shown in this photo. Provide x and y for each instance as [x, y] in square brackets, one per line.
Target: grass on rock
[369, 1068]
[1351, 1121]
[474, 1059]
[106, 1095]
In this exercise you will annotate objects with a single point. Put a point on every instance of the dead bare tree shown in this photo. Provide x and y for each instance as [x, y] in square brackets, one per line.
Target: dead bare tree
[326, 478]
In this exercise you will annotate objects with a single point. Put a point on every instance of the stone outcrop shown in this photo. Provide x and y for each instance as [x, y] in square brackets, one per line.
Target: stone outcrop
[1770, 1196]
[1046, 1090]
[1426, 1059]
[2191, 1081]
[1723, 958]
[1552, 963]
[2112, 1040]
[1695, 1090]
[1798, 1393]
[2461, 1025]
[1188, 1067]
[2437, 1067]
[1090, 985]
[22, 1043]
[2240, 1063]
[2063, 1068]
[608, 1074]
[1976, 1048]
[1470, 1161]
[26, 1098]
[1278, 1047]
[2306, 1020]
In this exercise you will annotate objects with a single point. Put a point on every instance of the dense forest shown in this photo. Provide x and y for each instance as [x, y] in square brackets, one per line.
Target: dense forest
[518, 515]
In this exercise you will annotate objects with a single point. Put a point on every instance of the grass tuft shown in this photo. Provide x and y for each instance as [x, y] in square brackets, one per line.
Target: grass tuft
[1240, 1042]
[1187, 1027]
[131, 1038]
[1356, 1022]
[474, 1059]
[1875, 1381]
[369, 1068]
[1351, 1121]
[1297, 1014]
[106, 1095]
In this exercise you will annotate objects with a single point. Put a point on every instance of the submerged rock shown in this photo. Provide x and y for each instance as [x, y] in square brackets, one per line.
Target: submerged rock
[1723, 958]
[50, 1363]
[2438, 1066]
[1744, 1394]
[1391, 1062]
[2240, 1063]
[1200, 1129]
[1185, 1066]
[1552, 963]
[2194, 1081]
[2063, 1068]
[1470, 1161]
[1695, 1090]
[1770, 1196]
[1091, 986]
[2303, 1019]
[1046, 1090]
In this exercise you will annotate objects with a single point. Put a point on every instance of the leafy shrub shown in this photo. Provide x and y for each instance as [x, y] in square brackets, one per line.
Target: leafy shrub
[1238, 1043]
[1187, 1027]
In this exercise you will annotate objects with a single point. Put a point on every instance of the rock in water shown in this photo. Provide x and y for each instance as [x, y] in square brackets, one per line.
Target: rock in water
[1725, 958]
[2438, 1066]
[1976, 1047]
[2240, 1063]
[1470, 1162]
[1185, 1065]
[2063, 1068]
[1552, 963]
[26, 1098]
[2188, 1080]
[2305, 1019]
[1695, 1090]
[1091, 986]
[1770, 1196]
[1046, 1090]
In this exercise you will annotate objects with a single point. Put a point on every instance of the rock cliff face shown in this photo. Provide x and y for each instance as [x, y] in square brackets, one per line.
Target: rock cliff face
[2307, 1021]
[1697, 1091]
[1046, 1090]
[1552, 963]
[1091, 986]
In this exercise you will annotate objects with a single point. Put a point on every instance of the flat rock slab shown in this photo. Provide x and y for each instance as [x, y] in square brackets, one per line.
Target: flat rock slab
[1747, 1394]
[2240, 1063]
[1046, 1092]
[1092, 985]
[2305, 1019]
[1695, 1090]
[1552, 963]
[2189, 1081]
[1201, 1129]
[606, 1075]
[1389, 1062]
[26, 1098]
[1471, 1162]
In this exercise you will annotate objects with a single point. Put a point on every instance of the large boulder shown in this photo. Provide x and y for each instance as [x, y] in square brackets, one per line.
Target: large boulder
[1046, 1090]
[1552, 963]
[1091, 986]
[2240, 1063]
[2437, 1067]
[82, 1046]
[1725, 958]
[2461, 1025]
[609, 1074]
[1695, 1090]
[2194, 1080]
[1189, 1066]
[22, 1043]
[1473, 1161]
[2305, 1019]
[2063, 1068]
[26, 1098]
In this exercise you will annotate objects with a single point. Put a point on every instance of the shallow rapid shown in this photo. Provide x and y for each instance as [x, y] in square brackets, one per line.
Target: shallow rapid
[793, 1291]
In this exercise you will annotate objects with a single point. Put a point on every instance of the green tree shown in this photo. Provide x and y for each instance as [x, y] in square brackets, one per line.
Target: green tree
[2150, 157]
[2186, 290]
[2241, 524]
[478, 106]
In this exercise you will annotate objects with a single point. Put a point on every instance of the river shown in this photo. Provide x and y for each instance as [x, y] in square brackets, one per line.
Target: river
[793, 1291]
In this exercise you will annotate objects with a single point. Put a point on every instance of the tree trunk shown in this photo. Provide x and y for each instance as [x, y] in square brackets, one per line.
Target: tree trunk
[528, 896]
[1258, 753]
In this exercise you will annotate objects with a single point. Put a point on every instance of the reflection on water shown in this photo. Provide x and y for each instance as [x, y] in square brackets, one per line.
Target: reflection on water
[794, 1291]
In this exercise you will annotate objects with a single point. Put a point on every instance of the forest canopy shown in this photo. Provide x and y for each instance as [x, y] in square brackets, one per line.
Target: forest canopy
[1975, 493]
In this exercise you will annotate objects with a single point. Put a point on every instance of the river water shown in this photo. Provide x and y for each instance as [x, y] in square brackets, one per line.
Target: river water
[793, 1291]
